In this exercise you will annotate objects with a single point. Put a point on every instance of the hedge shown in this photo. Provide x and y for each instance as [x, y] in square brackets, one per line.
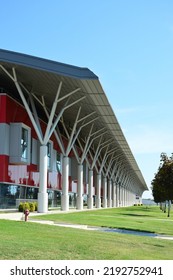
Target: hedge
[31, 206]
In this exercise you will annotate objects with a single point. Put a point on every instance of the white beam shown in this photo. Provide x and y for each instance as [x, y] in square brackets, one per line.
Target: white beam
[52, 114]
[72, 133]
[27, 107]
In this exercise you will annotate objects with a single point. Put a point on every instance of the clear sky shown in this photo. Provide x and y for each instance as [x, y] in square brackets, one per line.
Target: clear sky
[127, 43]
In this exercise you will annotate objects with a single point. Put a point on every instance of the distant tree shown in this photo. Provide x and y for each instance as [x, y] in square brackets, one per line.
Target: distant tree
[162, 184]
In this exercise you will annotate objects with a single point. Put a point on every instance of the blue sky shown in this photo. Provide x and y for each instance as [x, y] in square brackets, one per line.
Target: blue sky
[127, 43]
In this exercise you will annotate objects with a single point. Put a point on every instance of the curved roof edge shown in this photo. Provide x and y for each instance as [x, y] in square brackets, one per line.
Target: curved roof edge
[46, 65]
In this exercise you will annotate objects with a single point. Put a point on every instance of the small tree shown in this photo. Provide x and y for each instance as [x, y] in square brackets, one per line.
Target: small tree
[162, 184]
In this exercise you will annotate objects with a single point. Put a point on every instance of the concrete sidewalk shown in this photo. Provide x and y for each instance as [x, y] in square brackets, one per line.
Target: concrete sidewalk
[13, 214]
[16, 216]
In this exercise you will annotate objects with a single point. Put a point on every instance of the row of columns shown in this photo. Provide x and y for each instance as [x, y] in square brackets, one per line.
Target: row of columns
[113, 195]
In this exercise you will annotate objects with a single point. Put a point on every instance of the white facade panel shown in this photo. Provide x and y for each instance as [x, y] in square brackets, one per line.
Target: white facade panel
[4, 139]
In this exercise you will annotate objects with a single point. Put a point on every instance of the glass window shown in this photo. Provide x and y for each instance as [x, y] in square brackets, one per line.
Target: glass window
[24, 143]
[58, 163]
[8, 195]
[49, 155]
[31, 193]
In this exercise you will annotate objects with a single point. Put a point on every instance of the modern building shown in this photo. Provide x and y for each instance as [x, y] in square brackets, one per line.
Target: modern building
[60, 141]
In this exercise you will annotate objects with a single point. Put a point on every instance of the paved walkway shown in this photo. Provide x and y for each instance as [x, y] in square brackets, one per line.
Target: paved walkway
[18, 216]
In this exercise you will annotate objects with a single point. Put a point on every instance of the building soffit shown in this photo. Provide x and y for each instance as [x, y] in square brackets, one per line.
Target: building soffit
[42, 77]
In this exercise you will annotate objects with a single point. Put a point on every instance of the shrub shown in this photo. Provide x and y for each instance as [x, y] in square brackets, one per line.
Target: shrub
[26, 206]
[36, 206]
[21, 207]
[31, 207]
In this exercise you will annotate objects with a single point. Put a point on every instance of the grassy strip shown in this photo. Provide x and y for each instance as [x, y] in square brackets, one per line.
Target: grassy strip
[20, 240]
[140, 218]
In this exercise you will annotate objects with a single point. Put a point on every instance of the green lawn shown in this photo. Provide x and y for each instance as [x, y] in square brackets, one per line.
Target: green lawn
[21, 240]
[139, 218]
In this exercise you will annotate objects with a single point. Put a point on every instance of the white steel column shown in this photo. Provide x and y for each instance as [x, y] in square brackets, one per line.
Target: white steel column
[98, 198]
[122, 190]
[104, 192]
[117, 195]
[114, 194]
[80, 187]
[42, 195]
[109, 193]
[127, 197]
[65, 184]
[90, 190]
[122, 196]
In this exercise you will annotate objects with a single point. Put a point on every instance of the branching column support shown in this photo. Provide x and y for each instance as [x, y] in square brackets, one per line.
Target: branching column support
[109, 186]
[114, 194]
[109, 192]
[80, 159]
[98, 186]
[102, 166]
[98, 197]
[65, 184]
[112, 159]
[106, 145]
[114, 177]
[90, 189]
[72, 138]
[42, 197]
[90, 139]
[104, 192]
[117, 187]
[125, 191]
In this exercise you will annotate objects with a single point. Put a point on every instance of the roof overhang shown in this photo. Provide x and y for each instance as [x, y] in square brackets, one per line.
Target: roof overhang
[42, 77]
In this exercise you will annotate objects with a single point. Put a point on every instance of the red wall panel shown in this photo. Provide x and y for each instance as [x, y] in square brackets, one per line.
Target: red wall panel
[3, 109]
[13, 111]
[4, 168]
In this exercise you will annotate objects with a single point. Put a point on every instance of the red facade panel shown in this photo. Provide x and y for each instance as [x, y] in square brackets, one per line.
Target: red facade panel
[4, 160]
[24, 174]
[3, 116]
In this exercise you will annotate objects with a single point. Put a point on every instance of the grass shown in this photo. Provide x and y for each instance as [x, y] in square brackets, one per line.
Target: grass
[20, 240]
[140, 218]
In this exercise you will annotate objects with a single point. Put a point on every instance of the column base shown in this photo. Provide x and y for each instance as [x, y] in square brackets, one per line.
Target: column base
[109, 203]
[65, 202]
[42, 202]
[113, 203]
[104, 203]
[80, 202]
[90, 203]
[98, 202]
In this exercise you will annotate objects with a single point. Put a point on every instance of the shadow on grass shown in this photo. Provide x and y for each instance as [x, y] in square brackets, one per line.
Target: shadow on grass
[136, 215]
[155, 245]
